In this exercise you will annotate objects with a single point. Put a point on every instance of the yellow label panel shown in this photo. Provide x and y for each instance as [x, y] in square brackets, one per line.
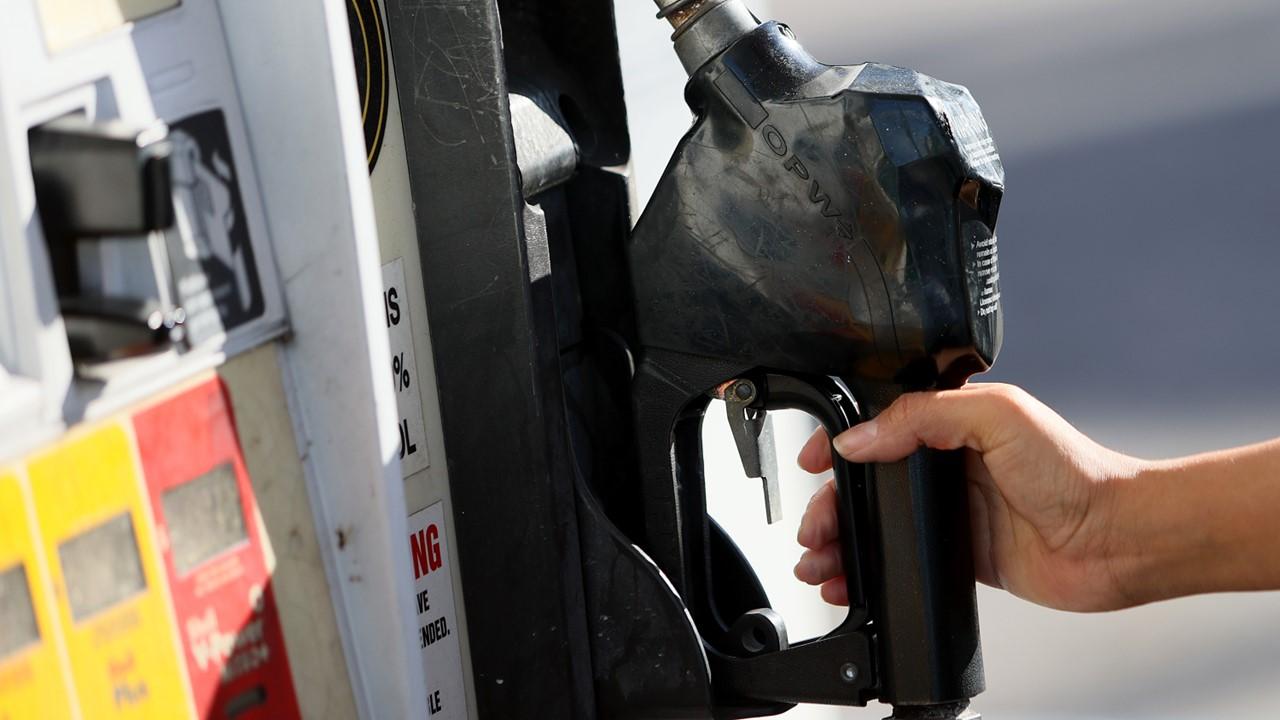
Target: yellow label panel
[105, 570]
[33, 683]
[67, 22]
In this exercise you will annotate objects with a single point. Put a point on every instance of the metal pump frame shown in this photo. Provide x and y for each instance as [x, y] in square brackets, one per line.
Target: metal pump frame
[487, 252]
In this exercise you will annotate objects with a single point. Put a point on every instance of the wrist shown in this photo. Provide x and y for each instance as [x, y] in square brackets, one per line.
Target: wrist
[1140, 551]
[1121, 557]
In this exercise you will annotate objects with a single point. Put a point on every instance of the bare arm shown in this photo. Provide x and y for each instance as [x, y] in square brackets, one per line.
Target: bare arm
[1206, 523]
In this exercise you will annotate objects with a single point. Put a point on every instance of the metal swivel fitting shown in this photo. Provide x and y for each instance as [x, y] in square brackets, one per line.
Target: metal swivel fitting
[705, 28]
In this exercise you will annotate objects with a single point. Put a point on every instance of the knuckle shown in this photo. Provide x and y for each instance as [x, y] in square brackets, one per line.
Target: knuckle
[902, 410]
[1011, 412]
[1010, 398]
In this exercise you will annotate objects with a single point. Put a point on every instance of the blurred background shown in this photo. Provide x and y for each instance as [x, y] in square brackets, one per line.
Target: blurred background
[1140, 247]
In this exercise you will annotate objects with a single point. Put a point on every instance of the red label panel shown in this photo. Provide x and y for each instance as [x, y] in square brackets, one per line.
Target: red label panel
[206, 517]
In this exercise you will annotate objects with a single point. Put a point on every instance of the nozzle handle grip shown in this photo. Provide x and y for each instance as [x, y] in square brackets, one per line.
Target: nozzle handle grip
[922, 593]
[831, 405]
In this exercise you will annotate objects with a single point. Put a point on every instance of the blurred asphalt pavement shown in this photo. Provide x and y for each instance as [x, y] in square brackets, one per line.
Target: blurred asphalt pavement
[1140, 244]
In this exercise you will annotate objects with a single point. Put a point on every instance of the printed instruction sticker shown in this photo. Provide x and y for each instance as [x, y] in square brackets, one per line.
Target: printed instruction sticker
[210, 246]
[404, 369]
[436, 631]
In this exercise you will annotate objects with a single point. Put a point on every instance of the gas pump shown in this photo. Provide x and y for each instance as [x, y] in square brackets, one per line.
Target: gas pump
[823, 238]
[336, 382]
[438, 632]
[202, 503]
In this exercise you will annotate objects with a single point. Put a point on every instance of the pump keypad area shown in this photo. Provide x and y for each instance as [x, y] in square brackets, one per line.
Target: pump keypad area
[135, 576]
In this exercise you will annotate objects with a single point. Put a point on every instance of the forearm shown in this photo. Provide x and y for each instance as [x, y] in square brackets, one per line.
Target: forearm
[1206, 523]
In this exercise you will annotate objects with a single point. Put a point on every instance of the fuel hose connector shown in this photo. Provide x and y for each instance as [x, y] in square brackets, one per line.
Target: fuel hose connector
[705, 28]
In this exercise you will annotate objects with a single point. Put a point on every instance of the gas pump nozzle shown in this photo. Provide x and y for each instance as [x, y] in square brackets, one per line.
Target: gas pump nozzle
[823, 239]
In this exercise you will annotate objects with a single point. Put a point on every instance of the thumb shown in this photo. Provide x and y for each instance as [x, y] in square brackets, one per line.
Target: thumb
[973, 417]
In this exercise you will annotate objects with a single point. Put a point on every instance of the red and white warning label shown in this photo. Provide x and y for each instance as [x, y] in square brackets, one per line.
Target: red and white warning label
[436, 631]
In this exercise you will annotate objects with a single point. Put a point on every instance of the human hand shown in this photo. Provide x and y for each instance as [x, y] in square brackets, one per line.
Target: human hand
[1040, 493]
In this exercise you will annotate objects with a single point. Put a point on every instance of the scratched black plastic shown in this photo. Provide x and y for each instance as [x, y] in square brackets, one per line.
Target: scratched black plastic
[833, 220]
[825, 221]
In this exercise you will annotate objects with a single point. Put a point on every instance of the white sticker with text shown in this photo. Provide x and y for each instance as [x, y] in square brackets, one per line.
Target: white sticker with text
[436, 631]
[403, 371]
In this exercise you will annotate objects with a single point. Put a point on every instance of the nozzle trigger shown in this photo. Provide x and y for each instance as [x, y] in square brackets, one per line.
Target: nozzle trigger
[752, 429]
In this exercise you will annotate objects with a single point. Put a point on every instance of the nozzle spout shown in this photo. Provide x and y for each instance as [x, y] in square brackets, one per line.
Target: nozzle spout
[705, 28]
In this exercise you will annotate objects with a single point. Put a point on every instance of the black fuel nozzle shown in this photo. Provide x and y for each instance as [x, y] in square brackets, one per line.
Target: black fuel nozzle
[827, 233]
